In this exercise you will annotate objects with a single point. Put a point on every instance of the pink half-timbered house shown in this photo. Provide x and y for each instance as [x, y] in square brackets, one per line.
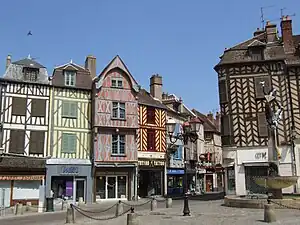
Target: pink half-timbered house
[115, 127]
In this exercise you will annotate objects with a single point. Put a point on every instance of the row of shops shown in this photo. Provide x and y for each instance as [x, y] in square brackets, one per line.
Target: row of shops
[73, 180]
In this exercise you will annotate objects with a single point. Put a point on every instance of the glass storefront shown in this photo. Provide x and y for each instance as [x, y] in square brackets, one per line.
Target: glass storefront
[230, 180]
[175, 184]
[111, 187]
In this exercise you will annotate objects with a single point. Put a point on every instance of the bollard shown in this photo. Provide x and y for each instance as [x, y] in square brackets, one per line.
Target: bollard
[15, 209]
[153, 204]
[132, 218]
[169, 203]
[119, 209]
[80, 201]
[70, 216]
[269, 214]
[19, 209]
[28, 206]
[63, 204]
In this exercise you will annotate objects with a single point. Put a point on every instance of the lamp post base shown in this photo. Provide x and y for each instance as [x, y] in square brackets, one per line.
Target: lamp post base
[186, 210]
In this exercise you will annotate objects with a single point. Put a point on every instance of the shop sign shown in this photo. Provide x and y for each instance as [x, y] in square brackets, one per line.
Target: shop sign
[175, 172]
[151, 163]
[252, 156]
[16, 177]
[261, 155]
[69, 170]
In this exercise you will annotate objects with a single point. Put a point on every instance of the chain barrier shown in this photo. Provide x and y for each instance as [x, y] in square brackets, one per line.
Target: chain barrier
[284, 206]
[79, 210]
[102, 211]
[136, 205]
[5, 208]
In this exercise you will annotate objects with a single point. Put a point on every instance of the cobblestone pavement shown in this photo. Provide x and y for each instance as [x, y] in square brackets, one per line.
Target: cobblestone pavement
[202, 213]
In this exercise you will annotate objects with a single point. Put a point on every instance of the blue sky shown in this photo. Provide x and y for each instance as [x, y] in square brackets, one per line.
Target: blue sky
[180, 40]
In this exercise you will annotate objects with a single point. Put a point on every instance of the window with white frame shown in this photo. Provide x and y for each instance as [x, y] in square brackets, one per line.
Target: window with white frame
[118, 144]
[117, 82]
[70, 78]
[118, 111]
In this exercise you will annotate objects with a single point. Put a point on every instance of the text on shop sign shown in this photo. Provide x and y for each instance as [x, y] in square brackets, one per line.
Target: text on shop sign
[70, 170]
[15, 177]
[261, 155]
[151, 163]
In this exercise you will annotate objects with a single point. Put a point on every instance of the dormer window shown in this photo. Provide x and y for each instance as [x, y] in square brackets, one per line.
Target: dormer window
[116, 83]
[30, 74]
[70, 78]
[256, 54]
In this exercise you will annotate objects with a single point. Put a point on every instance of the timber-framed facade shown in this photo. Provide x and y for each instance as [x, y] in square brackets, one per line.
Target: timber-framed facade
[274, 61]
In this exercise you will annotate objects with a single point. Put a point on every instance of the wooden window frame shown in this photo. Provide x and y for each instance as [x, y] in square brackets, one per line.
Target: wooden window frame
[14, 104]
[72, 114]
[118, 111]
[37, 143]
[70, 78]
[20, 142]
[118, 140]
[65, 149]
[257, 54]
[150, 115]
[38, 107]
[223, 91]
[30, 74]
[151, 140]
[117, 82]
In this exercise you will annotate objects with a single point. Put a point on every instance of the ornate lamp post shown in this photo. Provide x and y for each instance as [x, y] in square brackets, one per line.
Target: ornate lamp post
[189, 133]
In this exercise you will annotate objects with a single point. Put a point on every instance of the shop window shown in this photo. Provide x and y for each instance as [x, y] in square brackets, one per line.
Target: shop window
[69, 109]
[100, 187]
[151, 140]
[69, 143]
[122, 187]
[118, 111]
[62, 187]
[118, 144]
[150, 115]
[230, 179]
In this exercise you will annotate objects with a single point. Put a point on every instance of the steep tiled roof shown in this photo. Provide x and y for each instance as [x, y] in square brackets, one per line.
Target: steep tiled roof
[28, 63]
[209, 126]
[144, 98]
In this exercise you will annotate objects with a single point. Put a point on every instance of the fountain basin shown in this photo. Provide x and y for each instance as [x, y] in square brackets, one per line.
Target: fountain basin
[277, 182]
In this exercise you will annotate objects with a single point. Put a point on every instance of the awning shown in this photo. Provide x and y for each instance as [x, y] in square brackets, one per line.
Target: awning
[257, 164]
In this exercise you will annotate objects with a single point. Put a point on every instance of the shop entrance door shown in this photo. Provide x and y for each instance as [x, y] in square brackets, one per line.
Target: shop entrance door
[80, 189]
[111, 187]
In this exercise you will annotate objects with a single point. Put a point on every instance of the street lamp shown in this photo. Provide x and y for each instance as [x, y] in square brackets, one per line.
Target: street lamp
[190, 132]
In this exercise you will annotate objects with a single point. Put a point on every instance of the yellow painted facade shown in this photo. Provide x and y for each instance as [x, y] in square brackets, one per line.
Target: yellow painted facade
[60, 125]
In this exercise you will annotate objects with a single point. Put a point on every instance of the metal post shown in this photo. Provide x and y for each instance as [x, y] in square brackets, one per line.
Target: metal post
[186, 210]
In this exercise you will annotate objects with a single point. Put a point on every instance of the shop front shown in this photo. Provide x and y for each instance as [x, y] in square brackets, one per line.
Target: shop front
[21, 180]
[175, 182]
[151, 177]
[69, 181]
[112, 182]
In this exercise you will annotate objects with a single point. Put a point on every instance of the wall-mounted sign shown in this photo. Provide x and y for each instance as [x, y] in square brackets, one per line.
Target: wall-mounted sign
[252, 156]
[175, 172]
[22, 177]
[261, 155]
[69, 170]
[151, 163]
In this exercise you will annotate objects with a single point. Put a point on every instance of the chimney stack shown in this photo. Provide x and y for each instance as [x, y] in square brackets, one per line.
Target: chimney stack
[156, 86]
[271, 32]
[8, 61]
[287, 34]
[258, 32]
[210, 116]
[90, 64]
[218, 121]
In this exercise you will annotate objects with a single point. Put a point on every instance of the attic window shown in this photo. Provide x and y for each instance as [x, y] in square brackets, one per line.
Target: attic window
[117, 83]
[70, 78]
[256, 53]
[30, 74]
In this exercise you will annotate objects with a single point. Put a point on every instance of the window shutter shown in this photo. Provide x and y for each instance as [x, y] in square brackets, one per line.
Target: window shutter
[17, 141]
[223, 97]
[262, 124]
[38, 107]
[19, 106]
[225, 126]
[36, 142]
[259, 93]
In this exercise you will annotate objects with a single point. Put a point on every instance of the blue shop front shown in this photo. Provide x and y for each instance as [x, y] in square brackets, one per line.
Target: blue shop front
[175, 182]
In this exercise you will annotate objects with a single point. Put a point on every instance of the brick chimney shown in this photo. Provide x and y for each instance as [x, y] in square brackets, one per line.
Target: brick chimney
[210, 116]
[258, 32]
[287, 34]
[271, 32]
[90, 64]
[8, 61]
[156, 86]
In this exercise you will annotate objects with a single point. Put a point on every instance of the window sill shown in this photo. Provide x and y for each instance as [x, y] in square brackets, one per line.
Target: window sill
[118, 155]
[69, 117]
[114, 118]
[116, 87]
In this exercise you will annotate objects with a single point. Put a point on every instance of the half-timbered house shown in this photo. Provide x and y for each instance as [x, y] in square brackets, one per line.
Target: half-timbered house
[69, 168]
[24, 122]
[115, 125]
[275, 61]
[152, 140]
